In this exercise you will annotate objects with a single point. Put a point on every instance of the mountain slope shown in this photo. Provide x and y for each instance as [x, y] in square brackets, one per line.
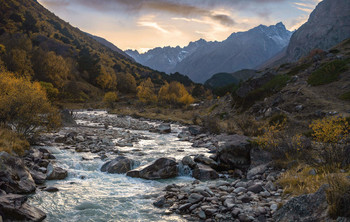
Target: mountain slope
[224, 79]
[109, 45]
[39, 45]
[201, 59]
[328, 25]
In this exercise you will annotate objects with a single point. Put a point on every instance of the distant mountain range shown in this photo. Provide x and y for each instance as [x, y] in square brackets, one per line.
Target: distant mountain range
[201, 59]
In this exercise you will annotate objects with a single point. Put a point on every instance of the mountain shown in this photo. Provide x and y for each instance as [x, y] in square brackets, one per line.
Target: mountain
[200, 60]
[328, 25]
[109, 45]
[165, 59]
[37, 44]
[224, 79]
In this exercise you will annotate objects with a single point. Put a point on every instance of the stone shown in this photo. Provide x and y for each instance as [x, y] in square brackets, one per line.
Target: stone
[39, 177]
[14, 175]
[159, 202]
[256, 170]
[201, 215]
[13, 207]
[187, 160]
[233, 152]
[56, 173]
[203, 172]
[119, 165]
[51, 189]
[313, 172]
[229, 203]
[194, 130]
[241, 184]
[270, 186]
[273, 207]
[200, 158]
[162, 168]
[184, 207]
[67, 118]
[195, 198]
[239, 190]
[307, 207]
[164, 128]
[257, 188]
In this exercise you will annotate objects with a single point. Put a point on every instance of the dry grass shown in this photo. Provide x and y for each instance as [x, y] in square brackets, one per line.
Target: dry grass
[298, 180]
[338, 196]
[11, 143]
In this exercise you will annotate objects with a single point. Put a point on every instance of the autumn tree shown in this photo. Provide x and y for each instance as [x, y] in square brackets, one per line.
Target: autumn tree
[174, 93]
[18, 61]
[107, 80]
[127, 83]
[50, 67]
[24, 106]
[110, 99]
[145, 91]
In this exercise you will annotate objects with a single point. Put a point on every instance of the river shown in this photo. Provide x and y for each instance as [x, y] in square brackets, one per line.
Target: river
[88, 194]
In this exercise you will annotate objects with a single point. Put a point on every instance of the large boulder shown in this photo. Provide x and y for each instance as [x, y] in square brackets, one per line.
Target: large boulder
[233, 152]
[308, 207]
[118, 165]
[200, 158]
[164, 128]
[162, 168]
[56, 173]
[13, 207]
[204, 172]
[14, 175]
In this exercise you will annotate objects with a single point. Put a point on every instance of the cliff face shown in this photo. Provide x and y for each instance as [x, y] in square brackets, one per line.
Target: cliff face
[328, 25]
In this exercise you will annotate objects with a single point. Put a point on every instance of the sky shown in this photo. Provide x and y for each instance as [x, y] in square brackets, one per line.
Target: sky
[146, 24]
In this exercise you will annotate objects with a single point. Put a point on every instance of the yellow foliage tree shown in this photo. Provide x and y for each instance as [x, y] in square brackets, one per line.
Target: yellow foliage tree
[145, 91]
[24, 106]
[110, 99]
[106, 80]
[175, 93]
[18, 62]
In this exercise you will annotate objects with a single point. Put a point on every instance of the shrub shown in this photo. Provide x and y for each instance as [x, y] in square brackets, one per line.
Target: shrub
[51, 91]
[338, 196]
[11, 142]
[330, 130]
[110, 99]
[328, 73]
[24, 106]
[212, 125]
[296, 70]
[248, 125]
[278, 118]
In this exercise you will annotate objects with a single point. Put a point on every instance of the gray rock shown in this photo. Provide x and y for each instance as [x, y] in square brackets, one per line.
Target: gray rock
[195, 198]
[13, 207]
[164, 128]
[187, 160]
[159, 202]
[39, 177]
[194, 130]
[241, 184]
[313, 172]
[51, 189]
[14, 175]
[201, 215]
[239, 190]
[273, 207]
[162, 168]
[308, 207]
[229, 203]
[256, 170]
[270, 186]
[200, 158]
[56, 173]
[119, 165]
[203, 172]
[257, 188]
[233, 152]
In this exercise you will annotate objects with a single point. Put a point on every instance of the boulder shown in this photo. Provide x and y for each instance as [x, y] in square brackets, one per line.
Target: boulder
[308, 207]
[13, 207]
[204, 172]
[164, 128]
[256, 170]
[233, 152]
[187, 160]
[56, 173]
[38, 176]
[162, 168]
[118, 165]
[194, 130]
[259, 157]
[14, 175]
[51, 189]
[200, 158]
[256, 188]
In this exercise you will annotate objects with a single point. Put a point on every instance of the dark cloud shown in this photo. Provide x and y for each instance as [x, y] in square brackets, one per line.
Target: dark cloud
[187, 8]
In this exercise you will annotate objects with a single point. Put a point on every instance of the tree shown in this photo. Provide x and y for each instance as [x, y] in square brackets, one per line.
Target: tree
[127, 83]
[174, 93]
[110, 99]
[24, 106]
[18, 61]
[50, 67]
[106, 80]
[145, 91]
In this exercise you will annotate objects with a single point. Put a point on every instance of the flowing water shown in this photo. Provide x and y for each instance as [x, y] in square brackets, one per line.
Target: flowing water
[87, 194]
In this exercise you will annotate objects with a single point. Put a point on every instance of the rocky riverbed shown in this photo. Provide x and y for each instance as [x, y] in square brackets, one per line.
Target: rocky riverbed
[109, 168]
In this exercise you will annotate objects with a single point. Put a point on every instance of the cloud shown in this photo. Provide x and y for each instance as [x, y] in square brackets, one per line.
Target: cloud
[152, 25]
